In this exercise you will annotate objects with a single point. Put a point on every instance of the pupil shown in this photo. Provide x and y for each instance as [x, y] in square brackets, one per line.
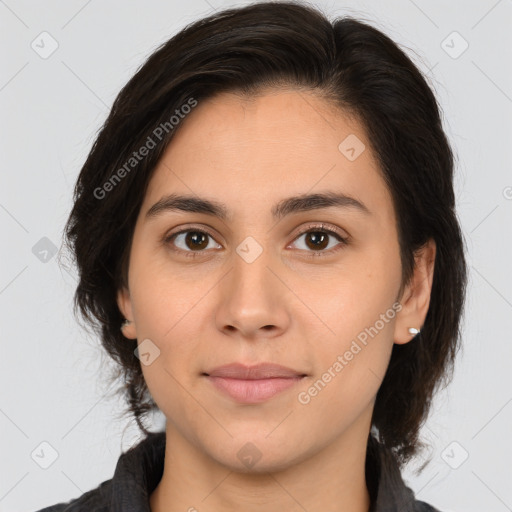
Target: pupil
[195, 238]
[319, 237]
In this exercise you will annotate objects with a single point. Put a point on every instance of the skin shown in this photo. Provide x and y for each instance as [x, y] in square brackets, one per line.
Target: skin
[283, 307]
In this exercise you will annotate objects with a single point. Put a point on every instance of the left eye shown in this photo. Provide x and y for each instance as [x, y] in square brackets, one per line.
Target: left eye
[316, 238]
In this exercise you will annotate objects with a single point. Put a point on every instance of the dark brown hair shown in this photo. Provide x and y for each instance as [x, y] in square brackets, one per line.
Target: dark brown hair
[355, 67]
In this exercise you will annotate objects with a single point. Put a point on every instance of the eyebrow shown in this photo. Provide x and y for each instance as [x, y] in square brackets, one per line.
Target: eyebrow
[288, 206]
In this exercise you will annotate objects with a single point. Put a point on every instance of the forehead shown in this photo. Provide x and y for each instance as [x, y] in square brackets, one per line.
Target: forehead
[262, 148]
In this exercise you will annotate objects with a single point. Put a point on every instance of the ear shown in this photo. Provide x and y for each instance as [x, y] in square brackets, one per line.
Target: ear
[416, 296]
[124, 303]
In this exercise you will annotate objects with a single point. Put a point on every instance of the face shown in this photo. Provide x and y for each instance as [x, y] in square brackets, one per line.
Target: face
[309, 285]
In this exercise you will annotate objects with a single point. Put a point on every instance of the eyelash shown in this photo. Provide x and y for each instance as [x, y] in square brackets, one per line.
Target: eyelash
[320, 228]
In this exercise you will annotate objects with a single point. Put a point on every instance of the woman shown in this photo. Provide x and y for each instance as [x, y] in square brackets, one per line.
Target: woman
[266, 237]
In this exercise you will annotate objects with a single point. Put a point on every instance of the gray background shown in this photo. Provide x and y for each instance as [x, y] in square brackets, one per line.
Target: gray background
[51, 370]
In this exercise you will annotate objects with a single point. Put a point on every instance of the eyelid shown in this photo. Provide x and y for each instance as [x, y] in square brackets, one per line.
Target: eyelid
[190, 227]
[323, 226]
[330, 229]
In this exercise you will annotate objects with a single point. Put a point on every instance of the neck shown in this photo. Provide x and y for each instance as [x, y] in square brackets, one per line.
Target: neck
[329, 480]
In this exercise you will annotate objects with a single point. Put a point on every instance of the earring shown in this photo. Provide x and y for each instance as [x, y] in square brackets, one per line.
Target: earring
[414, 331]
[125, 323]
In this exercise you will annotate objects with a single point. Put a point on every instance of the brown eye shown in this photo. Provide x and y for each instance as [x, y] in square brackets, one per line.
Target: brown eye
[319, 241]
[316, 240]
[191, 241]
[196, 240]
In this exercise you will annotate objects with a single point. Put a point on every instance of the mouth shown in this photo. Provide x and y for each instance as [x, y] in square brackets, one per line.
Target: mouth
[253, 384]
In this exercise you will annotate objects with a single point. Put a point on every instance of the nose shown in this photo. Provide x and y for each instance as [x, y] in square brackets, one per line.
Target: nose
[253, 300]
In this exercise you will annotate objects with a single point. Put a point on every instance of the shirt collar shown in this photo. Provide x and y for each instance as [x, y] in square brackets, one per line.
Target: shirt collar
[140, 469]
[388, 492]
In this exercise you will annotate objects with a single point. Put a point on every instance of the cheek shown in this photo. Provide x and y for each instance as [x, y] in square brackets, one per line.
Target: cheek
[348, 373]
[357, 296]
[173, 375]
[164, 312]
[358, 311]
[172, 321]
[160, 298]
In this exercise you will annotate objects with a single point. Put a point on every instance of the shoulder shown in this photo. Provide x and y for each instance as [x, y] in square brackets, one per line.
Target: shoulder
[96, 500]
[137, 473]
[421, 506]
[388, 490]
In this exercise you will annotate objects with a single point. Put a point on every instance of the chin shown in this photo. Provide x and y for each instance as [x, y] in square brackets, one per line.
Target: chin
[257, 454]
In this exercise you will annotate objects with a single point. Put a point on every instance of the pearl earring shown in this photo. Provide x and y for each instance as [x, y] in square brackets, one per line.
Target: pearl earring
[125, 323]
[414, 331]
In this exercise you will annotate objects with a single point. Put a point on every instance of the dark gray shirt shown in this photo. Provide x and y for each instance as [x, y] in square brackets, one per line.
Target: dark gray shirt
[140, 469]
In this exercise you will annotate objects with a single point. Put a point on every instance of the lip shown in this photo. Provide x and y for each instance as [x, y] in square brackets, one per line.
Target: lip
[257, 371]
[253, 384]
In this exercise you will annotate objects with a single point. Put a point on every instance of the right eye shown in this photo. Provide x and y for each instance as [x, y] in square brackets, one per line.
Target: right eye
[187, 240]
